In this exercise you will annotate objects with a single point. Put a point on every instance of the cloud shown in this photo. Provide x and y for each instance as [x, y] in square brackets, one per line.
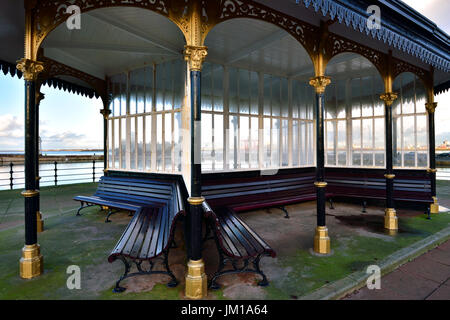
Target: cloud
[11, 126]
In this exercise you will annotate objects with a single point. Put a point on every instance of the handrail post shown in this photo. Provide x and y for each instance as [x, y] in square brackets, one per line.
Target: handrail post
[11, 178]
[93, 170]
[56, 173]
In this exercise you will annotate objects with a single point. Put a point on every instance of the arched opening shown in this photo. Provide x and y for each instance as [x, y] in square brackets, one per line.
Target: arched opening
[257, 105]
[145, 75]
[410, 125]
[354, 113]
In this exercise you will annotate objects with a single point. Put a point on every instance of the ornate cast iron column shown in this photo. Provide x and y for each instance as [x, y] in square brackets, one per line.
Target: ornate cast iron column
[431, 106]
[390, 217]
[39, 222]
[105, 112]
[196, 281]
[321, 238]
[31, 263]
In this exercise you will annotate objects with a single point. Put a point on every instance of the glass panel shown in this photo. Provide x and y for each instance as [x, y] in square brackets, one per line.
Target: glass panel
[110, 143]
[284, 98]
[367, 133]
[422, 159]
[356, 134]
[342, 158]
[367, 159]
[168, 141]
[177, 138]
[140, 142]
[159, 150]
[267, 94]
[148, 89]
[310, 143]
[356, 102]
[284, 143]
[295, 143]
[341, 99]
[168, 88]
[218, 142]
[233, 90]
[133, 143]
[244, 91]
[218, 88]
[207, 146]
[276, 96]
[275, 147]
[366, 97]
[244, 131]
[356, 157]
[303, 143]
[331, 155]
[330, 102]
[408, 96]
[254, 163]
[178, 83]
[233, 136]
[148, 142]
[408, 133]
[123, 142]
[160, 86]
[267, 142]
[207, 86]
[379, 134]
[254, 98]
[342, 135]
[422, 132]
[409, 159]
[116, 143]
[379, 159]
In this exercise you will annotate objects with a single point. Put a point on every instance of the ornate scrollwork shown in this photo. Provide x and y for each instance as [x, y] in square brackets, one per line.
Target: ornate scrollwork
[336, 45]
[399, 66]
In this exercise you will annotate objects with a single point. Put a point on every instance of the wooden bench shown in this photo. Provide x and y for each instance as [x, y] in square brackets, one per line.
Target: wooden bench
[260, 191]
[236, 243]
[148, 237]
[409, 185]
[128, 194]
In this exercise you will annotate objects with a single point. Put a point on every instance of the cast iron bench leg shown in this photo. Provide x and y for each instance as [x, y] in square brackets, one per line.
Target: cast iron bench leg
[263, 282]
[331, 203]
[174, 282]
[286, 213]
[118, 288]
[84, 206]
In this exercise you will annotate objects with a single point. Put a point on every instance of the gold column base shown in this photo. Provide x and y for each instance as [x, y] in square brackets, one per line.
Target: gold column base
[40, 222]
[196, 281]
[434, 207]
[322, 241]
[390, 219]
[32, 262]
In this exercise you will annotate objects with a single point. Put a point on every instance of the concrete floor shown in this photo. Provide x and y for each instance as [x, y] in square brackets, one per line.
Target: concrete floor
[357, 240]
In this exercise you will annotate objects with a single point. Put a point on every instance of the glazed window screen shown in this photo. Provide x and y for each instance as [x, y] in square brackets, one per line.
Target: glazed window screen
[145, 122]
[354, 127]
[247, 117]
[410, 125]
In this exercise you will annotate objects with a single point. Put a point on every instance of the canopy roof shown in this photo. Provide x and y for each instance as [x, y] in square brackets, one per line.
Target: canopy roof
[115, 39]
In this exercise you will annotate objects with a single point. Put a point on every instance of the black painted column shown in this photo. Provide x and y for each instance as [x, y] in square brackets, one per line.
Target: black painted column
[196, 281]
[390, 218]
[431, 107]
[321, 238]
[39, 222]
[31, 263]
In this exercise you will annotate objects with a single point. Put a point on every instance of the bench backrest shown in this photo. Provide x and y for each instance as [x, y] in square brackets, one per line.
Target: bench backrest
[229, 190]
[139, 191]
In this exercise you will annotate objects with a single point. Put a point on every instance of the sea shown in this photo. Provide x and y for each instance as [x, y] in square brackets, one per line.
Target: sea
[67, 172]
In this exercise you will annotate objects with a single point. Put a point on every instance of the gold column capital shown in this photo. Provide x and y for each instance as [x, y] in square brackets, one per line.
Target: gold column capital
[105, 113]
[431, 106]
[30, 68]
[195, 55]
[319, 83]
[389, 98]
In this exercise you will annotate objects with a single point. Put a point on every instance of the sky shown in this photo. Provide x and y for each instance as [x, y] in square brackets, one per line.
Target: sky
[70, 121]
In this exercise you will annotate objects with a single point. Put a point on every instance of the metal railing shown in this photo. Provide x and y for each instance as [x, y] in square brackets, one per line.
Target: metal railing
[52, 173]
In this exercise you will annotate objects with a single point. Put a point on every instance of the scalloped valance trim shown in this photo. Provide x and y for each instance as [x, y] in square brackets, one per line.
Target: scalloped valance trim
[9, 68]
[358, 21]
